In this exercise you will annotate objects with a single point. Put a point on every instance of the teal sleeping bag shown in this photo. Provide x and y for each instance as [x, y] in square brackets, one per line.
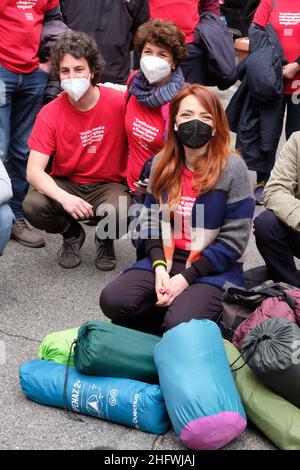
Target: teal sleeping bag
[122, 401]
[108, 350]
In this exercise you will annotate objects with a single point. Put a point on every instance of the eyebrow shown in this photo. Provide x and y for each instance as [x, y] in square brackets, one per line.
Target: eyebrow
[205, 113]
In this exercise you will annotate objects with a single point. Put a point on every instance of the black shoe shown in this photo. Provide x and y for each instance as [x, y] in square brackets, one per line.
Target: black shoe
[258, 193]
[105, 254]
[69, 254]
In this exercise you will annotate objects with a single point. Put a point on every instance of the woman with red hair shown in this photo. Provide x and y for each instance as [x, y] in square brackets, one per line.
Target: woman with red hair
[195, 223]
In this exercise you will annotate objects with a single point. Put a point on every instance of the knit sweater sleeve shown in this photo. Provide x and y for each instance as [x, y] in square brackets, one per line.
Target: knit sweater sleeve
[234, 233]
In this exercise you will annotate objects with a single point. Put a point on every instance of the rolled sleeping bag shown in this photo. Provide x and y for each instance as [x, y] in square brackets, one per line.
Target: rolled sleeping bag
[200, 394]
[276, 417]
[56, 346]
[108, 350]
[272, 350]
[122, 401]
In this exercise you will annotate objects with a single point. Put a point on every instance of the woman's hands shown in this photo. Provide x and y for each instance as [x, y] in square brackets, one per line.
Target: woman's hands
[168, 289]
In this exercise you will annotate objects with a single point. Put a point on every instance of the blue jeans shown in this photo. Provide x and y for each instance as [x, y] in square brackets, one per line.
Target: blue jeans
[6, 220]
[292, 115]
[20, 100]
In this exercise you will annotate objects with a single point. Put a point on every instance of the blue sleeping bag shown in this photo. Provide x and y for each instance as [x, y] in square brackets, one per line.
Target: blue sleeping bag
[123, 401]
[195, 378]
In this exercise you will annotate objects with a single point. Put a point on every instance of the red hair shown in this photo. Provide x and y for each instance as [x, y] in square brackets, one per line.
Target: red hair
[167, 176]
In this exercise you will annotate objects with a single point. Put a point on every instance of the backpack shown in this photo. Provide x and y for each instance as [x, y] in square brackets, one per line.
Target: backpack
[214, 36]
[238, 304]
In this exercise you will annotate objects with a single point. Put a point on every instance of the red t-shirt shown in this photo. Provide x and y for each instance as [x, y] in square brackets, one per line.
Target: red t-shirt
[20, 32]
[87, 147]
[183, 213]
[285, 19]
[184, 13]
[145, 132]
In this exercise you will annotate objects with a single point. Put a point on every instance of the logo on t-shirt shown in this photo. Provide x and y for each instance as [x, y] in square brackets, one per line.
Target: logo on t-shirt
[289, 19]
[26, 4]
[93, 135]
[144, 131]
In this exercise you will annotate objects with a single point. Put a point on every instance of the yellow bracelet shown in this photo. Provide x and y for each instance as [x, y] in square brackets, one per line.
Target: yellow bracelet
[159, 261]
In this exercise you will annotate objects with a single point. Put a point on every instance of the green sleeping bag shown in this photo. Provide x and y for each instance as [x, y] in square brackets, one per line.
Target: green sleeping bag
[56, 346]
[108, 350]
[273, 415]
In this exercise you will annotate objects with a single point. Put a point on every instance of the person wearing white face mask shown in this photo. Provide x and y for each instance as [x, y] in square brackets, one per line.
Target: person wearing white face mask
[161, 46]
[83, 129]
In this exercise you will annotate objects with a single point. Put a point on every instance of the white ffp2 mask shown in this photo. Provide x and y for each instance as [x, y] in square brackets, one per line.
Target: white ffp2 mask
[154, 68]
[75, 87]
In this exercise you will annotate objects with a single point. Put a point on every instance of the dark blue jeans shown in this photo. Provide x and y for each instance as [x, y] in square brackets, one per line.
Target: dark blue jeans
[20, 100]
[6, 221]
[292, 115]
[277, 244]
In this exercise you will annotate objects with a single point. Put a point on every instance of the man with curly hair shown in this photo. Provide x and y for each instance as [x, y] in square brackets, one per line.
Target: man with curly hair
[83, 130]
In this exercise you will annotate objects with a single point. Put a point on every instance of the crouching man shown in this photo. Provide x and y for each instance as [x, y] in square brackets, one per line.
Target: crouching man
[83, 131]
[277, 230]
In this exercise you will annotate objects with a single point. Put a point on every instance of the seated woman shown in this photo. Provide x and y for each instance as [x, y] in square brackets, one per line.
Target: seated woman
[161, 46]
[6, 214]
[199, 212]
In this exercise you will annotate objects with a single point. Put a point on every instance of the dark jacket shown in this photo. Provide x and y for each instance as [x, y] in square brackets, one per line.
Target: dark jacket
[212, 34]
[113, 24]
[257, 121]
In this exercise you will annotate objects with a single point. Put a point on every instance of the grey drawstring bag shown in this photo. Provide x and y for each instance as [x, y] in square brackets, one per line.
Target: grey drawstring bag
[272, 351]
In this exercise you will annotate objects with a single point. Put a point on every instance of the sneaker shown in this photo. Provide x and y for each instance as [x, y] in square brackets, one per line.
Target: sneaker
[69, 254]
[23, 233]
[258, 193]
[105, 254]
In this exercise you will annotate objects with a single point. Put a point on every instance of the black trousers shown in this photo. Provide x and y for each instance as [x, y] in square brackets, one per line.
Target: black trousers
[277, 244]
[130, 300]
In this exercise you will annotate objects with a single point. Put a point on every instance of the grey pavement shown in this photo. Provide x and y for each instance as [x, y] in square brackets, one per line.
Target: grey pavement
[38, 297]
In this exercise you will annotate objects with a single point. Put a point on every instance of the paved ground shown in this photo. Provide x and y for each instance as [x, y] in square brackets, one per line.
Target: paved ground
[38, 297]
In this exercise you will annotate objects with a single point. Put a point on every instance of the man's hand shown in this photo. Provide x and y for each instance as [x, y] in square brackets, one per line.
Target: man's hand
[45, 66]
[290, 70]
[78, 208]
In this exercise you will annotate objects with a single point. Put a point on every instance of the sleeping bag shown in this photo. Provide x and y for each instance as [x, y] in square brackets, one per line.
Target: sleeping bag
[108, 350]
[56, 346]
[272, 350]
[197, 385]
[123, 401]
[273, 415]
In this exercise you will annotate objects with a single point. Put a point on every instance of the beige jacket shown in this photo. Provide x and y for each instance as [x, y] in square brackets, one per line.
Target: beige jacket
[282, 192]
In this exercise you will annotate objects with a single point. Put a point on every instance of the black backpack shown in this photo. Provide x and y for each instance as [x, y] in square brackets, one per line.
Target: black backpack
[238, 304]
[213, 35]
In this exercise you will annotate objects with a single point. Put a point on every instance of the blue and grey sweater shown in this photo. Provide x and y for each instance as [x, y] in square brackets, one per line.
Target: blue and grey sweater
[221, 234]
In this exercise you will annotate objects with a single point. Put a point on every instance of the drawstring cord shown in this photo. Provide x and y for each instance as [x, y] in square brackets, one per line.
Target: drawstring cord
[254, 342]
[65, 399]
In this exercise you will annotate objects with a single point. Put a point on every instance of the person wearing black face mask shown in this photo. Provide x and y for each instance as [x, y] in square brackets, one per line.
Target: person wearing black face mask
[198, 216]
[194, 134]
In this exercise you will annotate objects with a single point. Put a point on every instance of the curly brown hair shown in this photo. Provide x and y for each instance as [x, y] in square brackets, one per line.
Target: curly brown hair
[164, 34]
[79, 45]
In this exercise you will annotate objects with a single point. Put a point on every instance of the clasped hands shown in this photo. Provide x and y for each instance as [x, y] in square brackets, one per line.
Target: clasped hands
[166, 288]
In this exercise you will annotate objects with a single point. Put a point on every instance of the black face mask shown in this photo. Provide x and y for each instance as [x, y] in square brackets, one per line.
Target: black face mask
[194, 134]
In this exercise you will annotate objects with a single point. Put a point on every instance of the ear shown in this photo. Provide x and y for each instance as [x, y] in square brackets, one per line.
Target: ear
[175, 127]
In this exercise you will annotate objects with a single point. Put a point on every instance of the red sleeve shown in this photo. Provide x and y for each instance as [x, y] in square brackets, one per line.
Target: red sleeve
[263, 12]
[42, 136]
[210, 5]
[52, 4]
